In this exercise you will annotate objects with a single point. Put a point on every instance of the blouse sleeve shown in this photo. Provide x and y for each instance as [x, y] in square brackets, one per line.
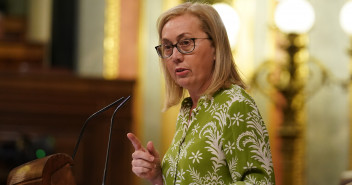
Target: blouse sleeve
[246, 145]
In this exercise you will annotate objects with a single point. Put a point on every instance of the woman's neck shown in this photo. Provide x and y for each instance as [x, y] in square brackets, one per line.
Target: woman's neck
[195, 99]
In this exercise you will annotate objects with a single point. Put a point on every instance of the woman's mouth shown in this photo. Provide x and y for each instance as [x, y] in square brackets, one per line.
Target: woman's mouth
[181, 71]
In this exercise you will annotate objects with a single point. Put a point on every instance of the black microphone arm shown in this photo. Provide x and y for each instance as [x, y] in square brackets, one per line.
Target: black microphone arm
[110, 133]
[90, 117]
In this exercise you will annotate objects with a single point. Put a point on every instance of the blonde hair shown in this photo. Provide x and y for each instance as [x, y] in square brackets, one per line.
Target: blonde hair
[224, 73]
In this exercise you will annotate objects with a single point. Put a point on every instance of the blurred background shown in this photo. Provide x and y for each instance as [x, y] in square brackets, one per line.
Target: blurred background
[62, 60]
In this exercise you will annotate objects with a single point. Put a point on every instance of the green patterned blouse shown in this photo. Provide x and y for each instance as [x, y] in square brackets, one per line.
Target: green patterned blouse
[224, 141]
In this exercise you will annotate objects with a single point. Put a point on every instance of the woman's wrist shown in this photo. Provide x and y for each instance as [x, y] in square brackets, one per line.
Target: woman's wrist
[157, 181]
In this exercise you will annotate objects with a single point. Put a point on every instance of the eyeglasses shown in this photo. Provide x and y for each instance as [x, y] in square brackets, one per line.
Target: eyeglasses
[184, 46]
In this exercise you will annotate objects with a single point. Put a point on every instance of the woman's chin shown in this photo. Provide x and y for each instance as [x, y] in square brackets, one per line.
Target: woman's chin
[182, 84]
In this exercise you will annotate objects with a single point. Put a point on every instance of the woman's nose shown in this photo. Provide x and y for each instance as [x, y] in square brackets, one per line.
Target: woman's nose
[176, 54]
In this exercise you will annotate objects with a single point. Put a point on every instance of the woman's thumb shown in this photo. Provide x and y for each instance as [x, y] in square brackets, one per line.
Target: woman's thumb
[151, 149]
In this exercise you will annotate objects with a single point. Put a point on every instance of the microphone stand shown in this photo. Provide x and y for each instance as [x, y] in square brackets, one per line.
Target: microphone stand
[110, 133]
[90, 117]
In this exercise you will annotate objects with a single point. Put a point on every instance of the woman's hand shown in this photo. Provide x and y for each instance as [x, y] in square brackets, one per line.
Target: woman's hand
[145, 161]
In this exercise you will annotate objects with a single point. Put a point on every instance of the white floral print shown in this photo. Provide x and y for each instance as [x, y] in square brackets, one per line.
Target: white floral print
[196, 157]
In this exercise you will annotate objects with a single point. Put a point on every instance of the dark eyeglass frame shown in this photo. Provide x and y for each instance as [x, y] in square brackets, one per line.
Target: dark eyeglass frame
[158, 48]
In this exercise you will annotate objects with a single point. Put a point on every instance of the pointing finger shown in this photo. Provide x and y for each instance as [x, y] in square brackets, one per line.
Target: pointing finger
[135, 141]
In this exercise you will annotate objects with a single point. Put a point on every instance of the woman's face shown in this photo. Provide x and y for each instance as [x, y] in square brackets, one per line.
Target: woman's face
[193, 70]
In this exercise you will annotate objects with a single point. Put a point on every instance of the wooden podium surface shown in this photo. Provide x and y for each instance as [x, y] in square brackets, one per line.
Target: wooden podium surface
[51, 170]
[54, 107]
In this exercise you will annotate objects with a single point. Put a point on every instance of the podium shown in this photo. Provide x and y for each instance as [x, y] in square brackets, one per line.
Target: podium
[51, 170]
[52, 108]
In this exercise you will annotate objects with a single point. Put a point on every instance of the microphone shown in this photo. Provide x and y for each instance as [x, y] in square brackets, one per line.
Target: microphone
[89, 118]
[110, 133]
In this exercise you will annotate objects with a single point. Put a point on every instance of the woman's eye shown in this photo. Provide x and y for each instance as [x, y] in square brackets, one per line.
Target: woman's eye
[185, 42]
[167, 46]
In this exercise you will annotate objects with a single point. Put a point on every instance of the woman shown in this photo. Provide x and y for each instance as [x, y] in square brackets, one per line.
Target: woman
[220, 136]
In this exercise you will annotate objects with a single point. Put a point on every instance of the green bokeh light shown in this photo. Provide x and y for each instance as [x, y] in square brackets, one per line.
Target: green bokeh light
[40, 153]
